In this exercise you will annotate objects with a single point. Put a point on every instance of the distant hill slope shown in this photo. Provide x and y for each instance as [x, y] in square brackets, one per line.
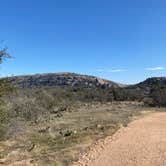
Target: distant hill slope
[160, 81]
[61, 79]
[149, 84]
[153, 89]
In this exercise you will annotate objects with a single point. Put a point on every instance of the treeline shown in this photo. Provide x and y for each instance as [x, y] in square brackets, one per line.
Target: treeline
[150, 96]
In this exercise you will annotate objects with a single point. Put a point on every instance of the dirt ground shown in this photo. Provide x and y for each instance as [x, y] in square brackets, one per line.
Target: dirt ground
[142, 143]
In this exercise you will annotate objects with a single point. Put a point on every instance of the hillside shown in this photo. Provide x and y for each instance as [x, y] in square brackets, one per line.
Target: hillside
[152, 91]
[78, 80]
[94, 88]
[154, 80]
[61, 79]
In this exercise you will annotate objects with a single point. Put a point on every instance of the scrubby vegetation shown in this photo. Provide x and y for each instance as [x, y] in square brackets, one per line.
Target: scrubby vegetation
[158, 95]
[151, 92]
[52, 125]
[49, 119]
[5, 89]
[56, 135]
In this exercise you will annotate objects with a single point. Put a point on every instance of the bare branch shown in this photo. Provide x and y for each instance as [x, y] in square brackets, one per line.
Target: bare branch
[4, 55]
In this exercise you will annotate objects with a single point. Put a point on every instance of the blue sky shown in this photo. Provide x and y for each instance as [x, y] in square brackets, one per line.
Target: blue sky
[124, 41]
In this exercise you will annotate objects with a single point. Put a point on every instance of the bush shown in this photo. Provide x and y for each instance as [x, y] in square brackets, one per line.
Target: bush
[2, 132]
[148, 101]
[4, 120]
[158, 94]
[4, 116]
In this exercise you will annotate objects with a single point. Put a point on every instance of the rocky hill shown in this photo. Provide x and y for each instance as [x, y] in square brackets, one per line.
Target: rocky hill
[153, 89]
[61, 79]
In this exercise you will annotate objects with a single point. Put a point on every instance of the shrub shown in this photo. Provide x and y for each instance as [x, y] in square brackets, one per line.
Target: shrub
[148, 101]
[4, 120]
[2, 132]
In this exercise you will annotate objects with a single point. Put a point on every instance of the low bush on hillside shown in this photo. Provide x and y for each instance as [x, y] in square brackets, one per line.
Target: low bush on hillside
[158, 94]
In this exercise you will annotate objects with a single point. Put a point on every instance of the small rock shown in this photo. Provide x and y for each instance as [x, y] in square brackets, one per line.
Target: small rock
[99, 126]
[75, 132]
[66, 133]
[31, 147]
[43, 130]
[59, 115]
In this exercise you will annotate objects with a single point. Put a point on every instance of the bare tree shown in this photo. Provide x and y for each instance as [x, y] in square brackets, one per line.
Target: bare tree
[4, 54]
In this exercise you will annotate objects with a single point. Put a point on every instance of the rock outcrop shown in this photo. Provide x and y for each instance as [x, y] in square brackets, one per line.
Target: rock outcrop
[61, 79]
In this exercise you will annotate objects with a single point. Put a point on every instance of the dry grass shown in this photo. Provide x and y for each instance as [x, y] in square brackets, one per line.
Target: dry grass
[58, 139]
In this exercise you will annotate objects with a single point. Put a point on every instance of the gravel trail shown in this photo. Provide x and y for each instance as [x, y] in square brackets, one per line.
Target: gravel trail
[142, 143]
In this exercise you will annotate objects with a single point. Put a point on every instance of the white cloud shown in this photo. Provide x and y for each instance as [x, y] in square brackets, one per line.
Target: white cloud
[116, 70]
[158, 68]
[111, 70]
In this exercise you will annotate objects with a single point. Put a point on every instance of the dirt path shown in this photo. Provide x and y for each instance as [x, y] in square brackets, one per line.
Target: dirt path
[142, 143]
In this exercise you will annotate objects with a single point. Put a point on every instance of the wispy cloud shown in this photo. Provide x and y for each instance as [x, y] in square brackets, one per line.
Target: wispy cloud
[100, 70]
[111, 70]
[158, 68]
[116, 70]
